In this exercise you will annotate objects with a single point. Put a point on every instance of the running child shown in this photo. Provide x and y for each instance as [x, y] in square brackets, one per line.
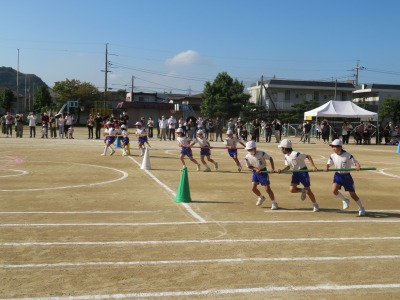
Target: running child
[184, 143]
[256, 161]
[296, 161]
[109, 139]
[142, 137]
[204, 150]
[125, 145]
[342, 159]
[230, 144]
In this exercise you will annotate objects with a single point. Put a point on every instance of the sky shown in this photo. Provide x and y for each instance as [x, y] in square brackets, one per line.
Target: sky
[177, 45]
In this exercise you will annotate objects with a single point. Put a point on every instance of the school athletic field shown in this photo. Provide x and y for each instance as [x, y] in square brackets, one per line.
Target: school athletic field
[76, 225]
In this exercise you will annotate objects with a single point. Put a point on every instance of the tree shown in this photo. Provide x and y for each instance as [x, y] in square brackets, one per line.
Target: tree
[42, 99]
[224, 97]
[390, 108]
[299, 109]
[85, 92]
[6, 99]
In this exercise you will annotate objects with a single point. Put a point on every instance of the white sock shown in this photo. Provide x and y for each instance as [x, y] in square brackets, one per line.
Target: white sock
[273, 202]
[340, 195]
[207, 167]
[360, 205]
[105, 150]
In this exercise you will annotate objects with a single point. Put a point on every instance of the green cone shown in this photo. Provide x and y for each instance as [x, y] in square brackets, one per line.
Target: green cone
[183, 193]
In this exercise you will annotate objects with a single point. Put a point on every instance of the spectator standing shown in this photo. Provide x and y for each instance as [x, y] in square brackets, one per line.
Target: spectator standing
[68, 122]
[9, 122]
[90, 124]
[163, 123]
[44, 120]
[171, 128]
[256, 130]
[218, 129]
[53, 126]
[307, 132]
[32, 118]
[19, 127]
[268, 131]
[277, 130]
[99, 124]
[60, 123]
[150, 126]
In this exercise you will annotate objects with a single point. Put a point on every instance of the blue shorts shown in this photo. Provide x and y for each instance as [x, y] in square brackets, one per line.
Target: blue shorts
[205, 151]
[301, 177]
[110, 139]
[260, 178]
[232, 152]
[344, 180]
[125, 140]
[142, 139]
[187, 152]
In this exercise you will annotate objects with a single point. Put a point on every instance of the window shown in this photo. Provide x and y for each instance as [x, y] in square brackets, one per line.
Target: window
[344, 98]
[316, 95]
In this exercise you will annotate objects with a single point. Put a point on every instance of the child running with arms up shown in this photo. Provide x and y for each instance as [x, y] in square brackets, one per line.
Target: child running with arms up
[296, 161]
[231, 144]
[256, 161]
[204, 150]
[184, 143]
[342, 159]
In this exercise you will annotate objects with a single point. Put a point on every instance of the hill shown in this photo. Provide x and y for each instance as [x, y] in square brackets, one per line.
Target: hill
[8, 79]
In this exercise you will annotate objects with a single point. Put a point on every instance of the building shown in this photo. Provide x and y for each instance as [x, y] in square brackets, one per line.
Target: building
[374, 94]
[280, 95]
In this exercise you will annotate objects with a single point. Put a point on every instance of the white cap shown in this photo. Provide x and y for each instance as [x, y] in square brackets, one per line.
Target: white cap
[336, 142]
[250, 145]
[139, 123]
[179, 130]
[199, 132]
[229, 132]
[123, 126]
[285, 144]
[109, 123]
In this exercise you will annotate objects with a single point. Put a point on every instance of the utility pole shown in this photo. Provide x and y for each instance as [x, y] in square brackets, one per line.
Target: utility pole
[105, 79]
[335, 89]
[18, 84]
[132, 88]
[356, 69]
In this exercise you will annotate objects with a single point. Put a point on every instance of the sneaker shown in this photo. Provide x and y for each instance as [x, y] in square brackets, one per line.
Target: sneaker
[112, 152]
[207, 170]
[216, 166]
[103, 154]
[361, 212]
[239, 168]
[316, 208]
[183, 167]
[303, 194]
[260, 200]
[274, 206]
[346, 204]
[198, 167]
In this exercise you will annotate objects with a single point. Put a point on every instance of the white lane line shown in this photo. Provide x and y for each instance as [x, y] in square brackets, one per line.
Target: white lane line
[172, 242]
[382, 171]
[77, 212]
[124, 175]
[378, 220]
[200, 261]
[168, 189]
[21, 172]
[266, 289]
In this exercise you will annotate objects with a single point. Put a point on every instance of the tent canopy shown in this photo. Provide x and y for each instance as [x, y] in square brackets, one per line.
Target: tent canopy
[341, 109]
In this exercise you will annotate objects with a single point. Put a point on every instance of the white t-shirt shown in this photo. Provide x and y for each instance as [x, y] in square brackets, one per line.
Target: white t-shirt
[257, 160]
[231, 142]
[171, 123]
[342, 161]
[183, 141]
[295, 160]
[202, 142]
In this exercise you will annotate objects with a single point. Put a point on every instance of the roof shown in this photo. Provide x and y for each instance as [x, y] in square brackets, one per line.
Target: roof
[340, 109]
[274, 83]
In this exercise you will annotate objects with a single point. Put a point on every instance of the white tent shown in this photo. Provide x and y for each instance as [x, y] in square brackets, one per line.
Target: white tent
[341, 109]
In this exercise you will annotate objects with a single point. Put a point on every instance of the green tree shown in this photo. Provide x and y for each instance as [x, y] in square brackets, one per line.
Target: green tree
[224, 97]
[390, 108]
[42, 99]
[85, 92]
[6, 99]
[299, 109]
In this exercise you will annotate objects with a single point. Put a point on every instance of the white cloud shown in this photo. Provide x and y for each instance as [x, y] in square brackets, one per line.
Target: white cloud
[184, 58]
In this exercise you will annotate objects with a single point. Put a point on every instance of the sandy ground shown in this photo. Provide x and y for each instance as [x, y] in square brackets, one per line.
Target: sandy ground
[77, 225]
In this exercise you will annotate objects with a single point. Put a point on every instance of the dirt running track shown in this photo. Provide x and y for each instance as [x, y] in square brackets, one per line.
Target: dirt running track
[76, 225]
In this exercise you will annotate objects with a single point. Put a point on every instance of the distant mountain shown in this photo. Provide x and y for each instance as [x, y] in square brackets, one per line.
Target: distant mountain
[8, 79]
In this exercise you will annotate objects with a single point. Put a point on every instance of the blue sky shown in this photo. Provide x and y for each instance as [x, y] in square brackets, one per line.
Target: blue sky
[177, 45]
